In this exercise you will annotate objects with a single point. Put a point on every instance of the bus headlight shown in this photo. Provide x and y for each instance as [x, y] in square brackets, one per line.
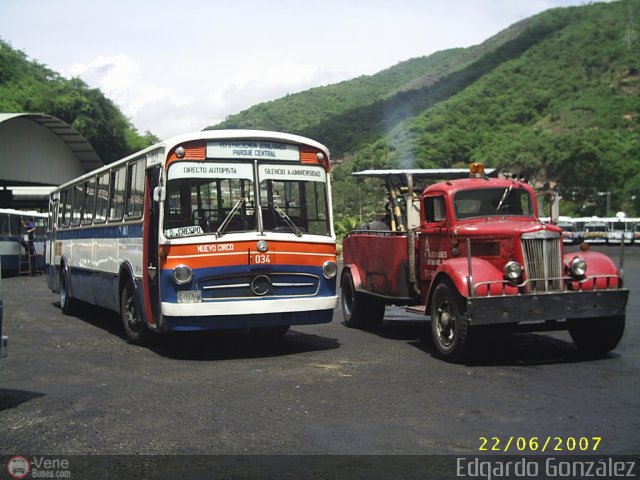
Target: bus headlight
[330, 269]
[182, 274]
[578, 267]
[513, 271]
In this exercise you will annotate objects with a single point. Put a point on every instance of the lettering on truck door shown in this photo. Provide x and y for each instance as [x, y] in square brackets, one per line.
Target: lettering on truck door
[434, 240]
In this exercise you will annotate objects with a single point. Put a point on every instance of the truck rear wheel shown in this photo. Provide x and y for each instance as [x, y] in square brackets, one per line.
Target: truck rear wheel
[597, 336]
[449, 329]
[359, 310]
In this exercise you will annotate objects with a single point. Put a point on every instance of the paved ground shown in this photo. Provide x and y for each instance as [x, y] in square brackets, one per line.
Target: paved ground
[73, 385]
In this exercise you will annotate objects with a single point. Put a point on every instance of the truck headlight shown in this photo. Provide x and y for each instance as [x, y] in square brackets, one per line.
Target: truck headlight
[578, 267]
[513, 271]
[329, 269]
[182, 274]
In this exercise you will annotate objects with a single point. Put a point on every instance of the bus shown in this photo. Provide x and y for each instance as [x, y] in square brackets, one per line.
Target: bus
[596, 231]
[12, 237]
[221, 229]
[570, 233]
[620, 230]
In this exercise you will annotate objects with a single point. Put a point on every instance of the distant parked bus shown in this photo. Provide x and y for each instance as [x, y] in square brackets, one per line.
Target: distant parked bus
[12, 234]
[570, 233]
[596, 231]
[620, 230]
[212, 230]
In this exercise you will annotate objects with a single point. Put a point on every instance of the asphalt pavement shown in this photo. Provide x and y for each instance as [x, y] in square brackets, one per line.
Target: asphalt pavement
[75, 386]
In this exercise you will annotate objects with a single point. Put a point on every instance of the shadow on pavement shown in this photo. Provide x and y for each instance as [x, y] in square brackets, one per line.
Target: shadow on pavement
[209, 345]
[494, 349]
[13, 398]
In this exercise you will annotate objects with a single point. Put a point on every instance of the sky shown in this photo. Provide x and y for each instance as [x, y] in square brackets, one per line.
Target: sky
[176, 66]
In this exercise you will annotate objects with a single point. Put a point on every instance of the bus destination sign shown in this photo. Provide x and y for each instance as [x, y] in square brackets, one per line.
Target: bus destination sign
[253, 149]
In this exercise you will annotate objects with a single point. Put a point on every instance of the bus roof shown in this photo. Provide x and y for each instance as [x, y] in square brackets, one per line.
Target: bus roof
[24, 213]
[205, 135]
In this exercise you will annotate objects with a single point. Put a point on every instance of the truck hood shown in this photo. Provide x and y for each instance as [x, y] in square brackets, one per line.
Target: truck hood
[502, 227]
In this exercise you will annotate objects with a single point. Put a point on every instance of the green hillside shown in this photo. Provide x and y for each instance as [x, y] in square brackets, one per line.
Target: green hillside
[556, 97]
[27, 86]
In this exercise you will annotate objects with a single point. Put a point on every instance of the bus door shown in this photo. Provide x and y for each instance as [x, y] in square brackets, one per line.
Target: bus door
[50, 244]
[150, 251]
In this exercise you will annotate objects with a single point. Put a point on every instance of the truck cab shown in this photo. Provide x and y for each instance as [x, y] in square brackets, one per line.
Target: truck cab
[471, 253]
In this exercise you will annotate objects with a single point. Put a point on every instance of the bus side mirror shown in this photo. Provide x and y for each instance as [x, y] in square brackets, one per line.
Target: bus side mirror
[159, 194]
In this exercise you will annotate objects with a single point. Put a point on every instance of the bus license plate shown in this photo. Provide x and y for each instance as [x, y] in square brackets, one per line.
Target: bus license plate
[189, 296]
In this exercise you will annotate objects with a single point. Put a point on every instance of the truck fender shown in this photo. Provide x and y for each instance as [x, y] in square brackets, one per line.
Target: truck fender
[598, 264]
[456, 270]
[355, 274]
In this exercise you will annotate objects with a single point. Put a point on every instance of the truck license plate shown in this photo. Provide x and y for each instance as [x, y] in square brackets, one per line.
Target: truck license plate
[189, 296]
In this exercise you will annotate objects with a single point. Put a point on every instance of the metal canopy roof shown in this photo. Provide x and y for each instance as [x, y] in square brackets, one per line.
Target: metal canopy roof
[424, 173]
[79, 145]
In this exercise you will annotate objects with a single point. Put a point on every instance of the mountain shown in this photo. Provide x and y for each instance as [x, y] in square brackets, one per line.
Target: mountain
[28, 86]
[555, 97]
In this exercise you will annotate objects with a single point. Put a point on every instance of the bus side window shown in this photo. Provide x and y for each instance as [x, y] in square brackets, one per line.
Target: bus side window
[5, 231]
[89, 201]
[102, 198]
[135, 189]
[78, 201]
[64, 215]
[116, 201]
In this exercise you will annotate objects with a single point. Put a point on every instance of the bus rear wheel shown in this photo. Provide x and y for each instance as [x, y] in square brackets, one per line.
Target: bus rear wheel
[134, 326]
[67, 303]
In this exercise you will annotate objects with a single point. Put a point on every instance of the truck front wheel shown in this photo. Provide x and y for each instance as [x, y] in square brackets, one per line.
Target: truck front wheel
[449, 329]
[359, 310]
[597, 336]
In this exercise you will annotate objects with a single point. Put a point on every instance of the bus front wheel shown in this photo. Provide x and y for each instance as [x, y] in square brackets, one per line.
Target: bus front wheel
[134, 326]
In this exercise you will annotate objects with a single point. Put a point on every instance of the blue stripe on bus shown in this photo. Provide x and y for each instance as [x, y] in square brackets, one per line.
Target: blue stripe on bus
[105, 231]
[169, 288]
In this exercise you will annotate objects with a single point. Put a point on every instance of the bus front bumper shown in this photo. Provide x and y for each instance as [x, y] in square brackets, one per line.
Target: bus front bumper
[255, 306]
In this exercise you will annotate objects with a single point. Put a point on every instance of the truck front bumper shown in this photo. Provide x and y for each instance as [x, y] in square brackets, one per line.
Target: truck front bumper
[546, 306]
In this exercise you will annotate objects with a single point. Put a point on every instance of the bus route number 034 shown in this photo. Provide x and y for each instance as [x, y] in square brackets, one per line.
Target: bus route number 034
[261, 258]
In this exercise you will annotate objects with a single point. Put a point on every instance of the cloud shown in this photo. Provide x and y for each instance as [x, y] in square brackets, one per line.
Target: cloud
[159, 103]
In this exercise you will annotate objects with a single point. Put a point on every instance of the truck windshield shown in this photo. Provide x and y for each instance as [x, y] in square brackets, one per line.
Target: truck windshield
[508, 201]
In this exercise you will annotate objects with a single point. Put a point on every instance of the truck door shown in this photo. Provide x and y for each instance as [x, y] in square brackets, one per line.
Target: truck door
[434, 240]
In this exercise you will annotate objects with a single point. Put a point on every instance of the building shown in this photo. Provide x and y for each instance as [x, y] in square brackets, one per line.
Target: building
[37, 153]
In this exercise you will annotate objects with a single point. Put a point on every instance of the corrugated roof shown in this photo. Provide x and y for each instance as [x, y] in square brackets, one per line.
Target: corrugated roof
[79, 145]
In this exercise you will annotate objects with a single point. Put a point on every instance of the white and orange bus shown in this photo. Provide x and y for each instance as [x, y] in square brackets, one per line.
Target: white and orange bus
[221, 229]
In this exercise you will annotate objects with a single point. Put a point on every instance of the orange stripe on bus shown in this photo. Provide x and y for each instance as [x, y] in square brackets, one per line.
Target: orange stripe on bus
[243, 253]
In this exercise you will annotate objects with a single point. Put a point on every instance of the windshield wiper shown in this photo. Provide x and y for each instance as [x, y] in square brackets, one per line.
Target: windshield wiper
[288, 220]
[229, 216]
[504, 197]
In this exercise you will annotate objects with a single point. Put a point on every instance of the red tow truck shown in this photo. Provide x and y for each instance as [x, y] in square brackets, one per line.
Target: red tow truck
[472, 253]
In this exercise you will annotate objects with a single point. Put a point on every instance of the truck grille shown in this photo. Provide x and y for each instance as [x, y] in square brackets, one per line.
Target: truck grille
[542, 261]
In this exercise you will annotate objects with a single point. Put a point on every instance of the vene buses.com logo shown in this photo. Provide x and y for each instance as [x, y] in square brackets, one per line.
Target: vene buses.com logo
[18, 467]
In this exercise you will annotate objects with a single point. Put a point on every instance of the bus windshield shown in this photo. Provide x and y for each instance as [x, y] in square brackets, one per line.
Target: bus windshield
[293, 198]
[218, 198]
[509, 201]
